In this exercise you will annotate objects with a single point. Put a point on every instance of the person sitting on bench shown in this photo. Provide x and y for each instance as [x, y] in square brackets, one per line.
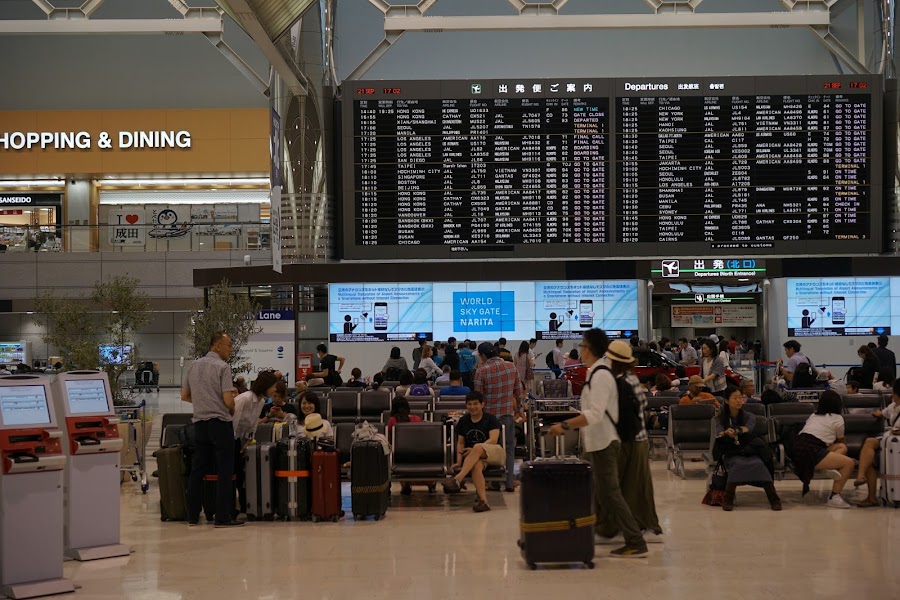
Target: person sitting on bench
[478, 434]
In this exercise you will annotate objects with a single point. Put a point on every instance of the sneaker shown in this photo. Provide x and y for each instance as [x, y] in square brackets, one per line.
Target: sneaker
[482, 506]
[835, 475]
[509, 489]
[652, 537]
[193, 523]
[629, 552]
[601, 540]
[837, 501]
[451, 486]
[230, 524]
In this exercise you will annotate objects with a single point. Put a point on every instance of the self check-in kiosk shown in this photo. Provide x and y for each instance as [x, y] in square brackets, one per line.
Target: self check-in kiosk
[91, 441]
[31, 490]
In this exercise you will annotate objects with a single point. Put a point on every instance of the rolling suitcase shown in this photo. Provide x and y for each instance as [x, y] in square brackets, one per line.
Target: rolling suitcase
[890, 470]
[265, 433]
[292, 478]
[370, 480]
[557, 512]
[260, 481]
[326, 486]
[172, 473]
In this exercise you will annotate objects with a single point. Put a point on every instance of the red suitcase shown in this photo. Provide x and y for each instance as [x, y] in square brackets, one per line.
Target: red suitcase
[326, 486]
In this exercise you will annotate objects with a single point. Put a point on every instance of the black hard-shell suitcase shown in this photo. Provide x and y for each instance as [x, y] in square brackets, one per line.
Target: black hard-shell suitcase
[370, 480]
[293, 491]
[259, 460]
[172, 472]
[557, 512]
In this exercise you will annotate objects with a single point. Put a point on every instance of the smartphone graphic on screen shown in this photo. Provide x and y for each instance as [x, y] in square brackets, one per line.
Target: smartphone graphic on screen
[381, 316]
[586, 313]
[838, 310]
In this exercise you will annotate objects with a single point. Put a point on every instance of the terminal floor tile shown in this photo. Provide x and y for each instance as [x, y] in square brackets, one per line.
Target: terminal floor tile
[435, 547]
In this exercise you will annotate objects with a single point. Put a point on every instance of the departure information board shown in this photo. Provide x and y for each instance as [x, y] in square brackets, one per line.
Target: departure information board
[612, 167]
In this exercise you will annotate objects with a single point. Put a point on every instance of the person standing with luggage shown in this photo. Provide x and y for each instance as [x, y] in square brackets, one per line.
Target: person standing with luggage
[244, 421]
[209, 388]
[600, 440]
[498, 381]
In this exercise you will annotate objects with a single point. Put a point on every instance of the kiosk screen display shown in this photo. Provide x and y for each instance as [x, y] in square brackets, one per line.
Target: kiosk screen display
[24, 405]
[87, 396]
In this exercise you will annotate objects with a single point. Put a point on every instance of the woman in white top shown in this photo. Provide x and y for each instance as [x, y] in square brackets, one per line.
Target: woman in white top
[870, 455]
[432, 371]
[244, 421]
[820, 445]
[712, 369]
[247, 407]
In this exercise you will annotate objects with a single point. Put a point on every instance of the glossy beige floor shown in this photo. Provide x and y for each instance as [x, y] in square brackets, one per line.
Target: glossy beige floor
[436, 547]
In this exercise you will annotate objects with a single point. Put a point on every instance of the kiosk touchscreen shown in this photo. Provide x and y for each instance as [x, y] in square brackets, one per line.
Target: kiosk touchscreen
[31, 490]
[91, 439]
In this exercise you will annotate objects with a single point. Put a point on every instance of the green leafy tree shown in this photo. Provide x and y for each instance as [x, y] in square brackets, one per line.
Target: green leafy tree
[235, 314]
[77, 326]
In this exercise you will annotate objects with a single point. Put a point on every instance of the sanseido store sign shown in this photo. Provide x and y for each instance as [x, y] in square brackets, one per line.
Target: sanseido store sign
[82, 140]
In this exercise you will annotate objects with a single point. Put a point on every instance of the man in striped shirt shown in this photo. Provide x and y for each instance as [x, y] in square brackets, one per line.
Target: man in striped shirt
[498, 381]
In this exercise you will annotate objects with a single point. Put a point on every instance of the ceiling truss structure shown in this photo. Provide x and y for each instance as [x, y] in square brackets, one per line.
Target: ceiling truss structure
[816, 15]
[77, 21]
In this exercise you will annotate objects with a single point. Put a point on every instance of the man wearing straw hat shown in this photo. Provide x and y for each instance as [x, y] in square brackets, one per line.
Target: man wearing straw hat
[600, 441]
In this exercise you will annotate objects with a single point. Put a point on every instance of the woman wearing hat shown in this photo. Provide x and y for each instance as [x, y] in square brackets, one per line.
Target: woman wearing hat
[635, 478]
[311, 421]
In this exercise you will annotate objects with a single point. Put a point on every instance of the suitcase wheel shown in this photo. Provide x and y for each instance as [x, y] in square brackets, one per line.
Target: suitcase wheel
[520, 544]
[377, 517]
[532, 566]
[335, 518]
[358, 517]
[315, 519]
[589, 565]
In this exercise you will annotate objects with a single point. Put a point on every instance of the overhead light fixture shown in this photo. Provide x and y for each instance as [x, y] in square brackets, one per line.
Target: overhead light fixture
[743, 279]
[32, 182]
[214, 182]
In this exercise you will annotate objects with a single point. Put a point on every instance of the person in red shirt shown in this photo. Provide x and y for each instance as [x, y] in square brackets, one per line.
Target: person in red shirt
[498, 381]
[732, 345]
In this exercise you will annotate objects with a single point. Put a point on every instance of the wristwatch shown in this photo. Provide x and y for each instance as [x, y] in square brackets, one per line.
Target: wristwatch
[565, 425]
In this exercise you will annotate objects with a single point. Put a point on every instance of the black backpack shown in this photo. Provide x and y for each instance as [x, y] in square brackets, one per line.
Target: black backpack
[549, 361]
[804, 376]
[629, 424]
[393, 374]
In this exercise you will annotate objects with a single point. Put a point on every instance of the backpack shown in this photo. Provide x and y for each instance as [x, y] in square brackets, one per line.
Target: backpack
[549, 361]
[629, 424]
[418, 389]
[804, 376]
[393, 374]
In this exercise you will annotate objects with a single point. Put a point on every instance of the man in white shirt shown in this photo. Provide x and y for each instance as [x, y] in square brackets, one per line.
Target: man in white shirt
[599, 412]
[559, 358]
[688, 354]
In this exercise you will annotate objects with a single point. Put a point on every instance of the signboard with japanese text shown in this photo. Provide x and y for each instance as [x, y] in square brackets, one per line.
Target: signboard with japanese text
[127, 227]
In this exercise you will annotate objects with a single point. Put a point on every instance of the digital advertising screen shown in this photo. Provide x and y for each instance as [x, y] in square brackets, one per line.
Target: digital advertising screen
[379, 312]
[87, 396]
[516, 310]
[854, 306]
[115, 355]
[565, 309]
[24, 405]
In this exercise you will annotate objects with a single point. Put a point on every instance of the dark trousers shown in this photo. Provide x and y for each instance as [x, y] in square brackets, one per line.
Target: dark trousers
[214, 454]
[468, 379]
[613, 513]
[240, 472]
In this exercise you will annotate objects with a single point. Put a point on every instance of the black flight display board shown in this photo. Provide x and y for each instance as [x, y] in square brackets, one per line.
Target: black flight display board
[611, 167]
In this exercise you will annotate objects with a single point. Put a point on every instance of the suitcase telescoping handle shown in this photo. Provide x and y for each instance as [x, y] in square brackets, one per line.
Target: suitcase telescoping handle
[558, 440]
